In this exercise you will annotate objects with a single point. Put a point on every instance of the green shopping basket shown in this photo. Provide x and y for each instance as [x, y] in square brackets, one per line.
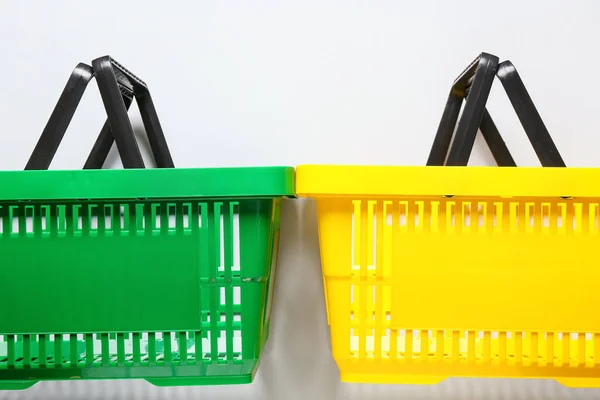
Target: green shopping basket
[160, 274]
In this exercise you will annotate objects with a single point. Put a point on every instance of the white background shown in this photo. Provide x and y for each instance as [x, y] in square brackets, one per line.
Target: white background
[287, 83]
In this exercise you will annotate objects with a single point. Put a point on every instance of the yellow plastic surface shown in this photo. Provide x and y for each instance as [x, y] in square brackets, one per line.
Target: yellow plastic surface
[432, 272]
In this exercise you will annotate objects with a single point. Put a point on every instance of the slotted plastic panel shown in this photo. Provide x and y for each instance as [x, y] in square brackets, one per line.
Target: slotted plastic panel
[175, 291]
[422, 287]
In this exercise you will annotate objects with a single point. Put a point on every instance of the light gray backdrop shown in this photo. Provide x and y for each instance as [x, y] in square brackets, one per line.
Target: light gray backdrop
[287, 83]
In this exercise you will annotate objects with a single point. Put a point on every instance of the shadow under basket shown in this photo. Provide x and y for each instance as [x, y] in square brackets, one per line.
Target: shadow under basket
[435, 272]
[159, 274]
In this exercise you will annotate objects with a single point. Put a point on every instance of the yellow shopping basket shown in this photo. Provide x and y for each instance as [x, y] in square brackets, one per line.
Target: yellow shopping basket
[447, 270]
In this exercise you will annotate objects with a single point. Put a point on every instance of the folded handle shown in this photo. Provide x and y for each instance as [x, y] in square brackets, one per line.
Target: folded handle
[118, 88]
[474, 85]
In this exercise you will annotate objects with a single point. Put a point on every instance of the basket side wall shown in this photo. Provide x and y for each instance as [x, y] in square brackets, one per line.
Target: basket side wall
[119, 289]
[461, 286]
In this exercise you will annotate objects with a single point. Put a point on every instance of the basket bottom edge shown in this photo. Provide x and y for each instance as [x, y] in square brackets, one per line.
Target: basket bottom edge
[203, 381]
[160, 382]
[17, 385]
[575, 383]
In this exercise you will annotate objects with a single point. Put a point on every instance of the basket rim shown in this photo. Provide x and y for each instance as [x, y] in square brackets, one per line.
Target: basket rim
[327, 181]
[156, 183]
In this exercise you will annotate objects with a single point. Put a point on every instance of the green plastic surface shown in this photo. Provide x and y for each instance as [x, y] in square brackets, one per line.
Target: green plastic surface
[147, 183]
[151, 276]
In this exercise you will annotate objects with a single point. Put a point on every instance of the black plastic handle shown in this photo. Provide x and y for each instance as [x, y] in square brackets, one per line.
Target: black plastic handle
[118, 88]
[104, 143]
[531, 120]
[116, 84]
[61, 117]
[474, 85]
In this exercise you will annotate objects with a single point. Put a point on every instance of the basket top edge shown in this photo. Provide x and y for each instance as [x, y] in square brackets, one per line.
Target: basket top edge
[157, 183]
[421, 181]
